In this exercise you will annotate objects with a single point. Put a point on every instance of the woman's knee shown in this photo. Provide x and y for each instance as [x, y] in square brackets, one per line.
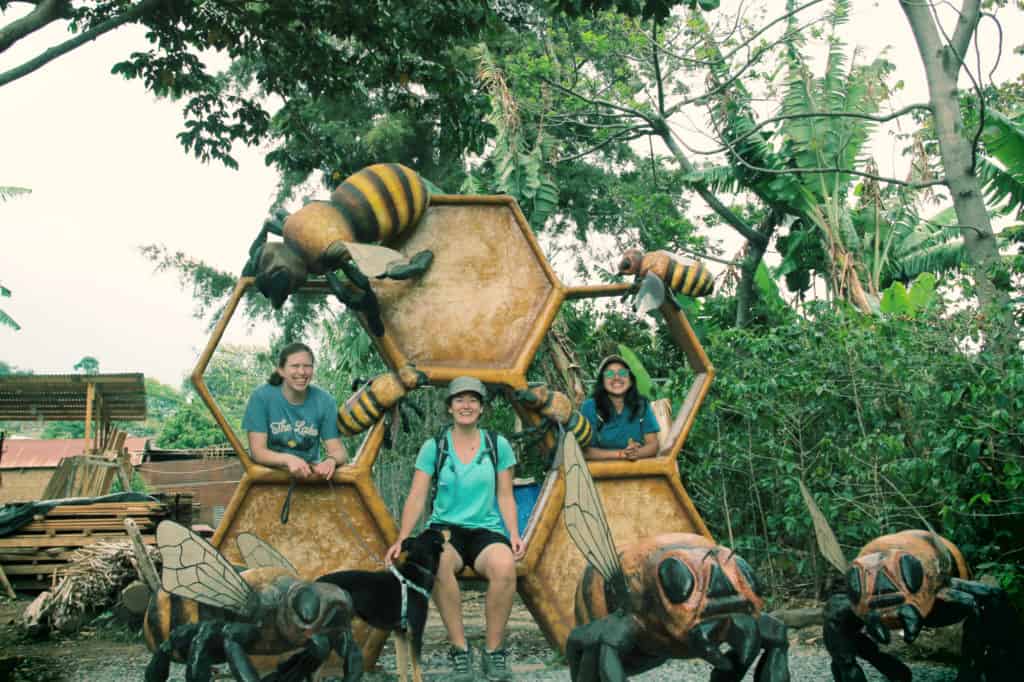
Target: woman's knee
[500, 565]
[450, 563]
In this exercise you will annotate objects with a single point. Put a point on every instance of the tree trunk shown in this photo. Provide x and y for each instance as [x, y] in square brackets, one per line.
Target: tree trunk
[746, 290]
[942, 63]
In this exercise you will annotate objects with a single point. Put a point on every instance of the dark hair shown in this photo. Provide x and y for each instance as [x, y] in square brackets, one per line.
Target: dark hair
[634, 402]
[282, 357]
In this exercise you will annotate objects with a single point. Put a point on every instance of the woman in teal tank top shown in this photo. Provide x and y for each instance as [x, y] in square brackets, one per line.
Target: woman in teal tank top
[473, 496]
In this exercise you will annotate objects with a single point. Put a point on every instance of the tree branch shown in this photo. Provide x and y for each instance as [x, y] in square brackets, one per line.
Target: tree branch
[818, 171]
[737, 223]
[47, 56]
[967, 22]
[599, 102]
[45, 12]
[838, 114]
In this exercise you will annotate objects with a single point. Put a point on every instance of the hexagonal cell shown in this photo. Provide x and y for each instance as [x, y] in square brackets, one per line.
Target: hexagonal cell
[337, 525]
[638, 497]
[484, 304]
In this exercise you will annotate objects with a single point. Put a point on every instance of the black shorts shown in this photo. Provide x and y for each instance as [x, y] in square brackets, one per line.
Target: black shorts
[469, 542]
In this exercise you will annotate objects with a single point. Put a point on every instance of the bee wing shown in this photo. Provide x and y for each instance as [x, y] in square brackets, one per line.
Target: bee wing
[827, 542]
[194, 569]
[258, 554]
[373, 260]
[585, 519]
[650, 295]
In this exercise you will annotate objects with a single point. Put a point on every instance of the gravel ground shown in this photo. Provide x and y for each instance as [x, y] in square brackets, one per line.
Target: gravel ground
[105, 655]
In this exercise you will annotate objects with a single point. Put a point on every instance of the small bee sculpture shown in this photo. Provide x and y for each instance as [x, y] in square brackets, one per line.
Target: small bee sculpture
[653, 271]
[380, 203]
[208, 613]
[367, 405]
[677, 595]
[556, 407]
[907, 581]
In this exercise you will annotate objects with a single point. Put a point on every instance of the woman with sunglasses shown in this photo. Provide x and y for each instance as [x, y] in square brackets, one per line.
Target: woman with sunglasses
[622, 421]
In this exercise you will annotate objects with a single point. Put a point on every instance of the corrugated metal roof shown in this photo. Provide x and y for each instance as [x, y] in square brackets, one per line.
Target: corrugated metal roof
[62, 397]
[31, 453]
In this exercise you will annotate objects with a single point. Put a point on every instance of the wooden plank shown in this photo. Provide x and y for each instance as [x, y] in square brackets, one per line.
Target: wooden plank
[67, 540]
[90, 392]
[74, 526]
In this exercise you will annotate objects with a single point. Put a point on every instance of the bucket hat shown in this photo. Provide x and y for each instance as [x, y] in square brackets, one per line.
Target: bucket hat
[464, 385]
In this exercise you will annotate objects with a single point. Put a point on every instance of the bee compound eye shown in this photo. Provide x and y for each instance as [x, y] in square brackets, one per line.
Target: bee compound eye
[853, 589]
[676, 580]
[912, 572]
[306, 604]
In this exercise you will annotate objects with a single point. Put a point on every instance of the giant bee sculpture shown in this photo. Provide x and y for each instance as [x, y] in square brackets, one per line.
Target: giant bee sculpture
[908, 581]
[380, 203]
[208, 613]
[658, 269]
[365, 407]
[557, 409]
[677, 595]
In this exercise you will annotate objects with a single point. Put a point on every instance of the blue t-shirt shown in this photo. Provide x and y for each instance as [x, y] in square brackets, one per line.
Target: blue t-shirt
[466, 493]
[295, 429]
[616, 433]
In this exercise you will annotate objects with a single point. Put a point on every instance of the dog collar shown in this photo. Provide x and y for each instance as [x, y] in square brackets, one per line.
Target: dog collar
[406, 584]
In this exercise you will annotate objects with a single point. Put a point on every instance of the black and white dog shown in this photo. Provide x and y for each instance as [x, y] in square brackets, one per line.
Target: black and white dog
[397, 599]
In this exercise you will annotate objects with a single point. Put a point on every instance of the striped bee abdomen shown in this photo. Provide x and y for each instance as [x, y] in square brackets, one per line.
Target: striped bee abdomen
[377, 204]
[367, 405]
[381, 201]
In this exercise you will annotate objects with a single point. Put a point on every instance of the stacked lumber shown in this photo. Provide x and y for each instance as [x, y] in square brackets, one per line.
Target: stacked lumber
[37, 555]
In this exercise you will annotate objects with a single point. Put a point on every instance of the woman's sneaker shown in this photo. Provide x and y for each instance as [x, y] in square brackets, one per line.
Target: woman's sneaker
[494, 665]
[462, 664]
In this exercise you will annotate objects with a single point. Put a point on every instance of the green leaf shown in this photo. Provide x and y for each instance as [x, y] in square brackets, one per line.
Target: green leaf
[895, 300]
[922, 292]
[643, 380]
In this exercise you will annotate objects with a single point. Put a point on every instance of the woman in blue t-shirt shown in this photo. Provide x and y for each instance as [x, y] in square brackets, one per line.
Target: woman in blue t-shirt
[621, 419]
[474, 494]
[287, 417]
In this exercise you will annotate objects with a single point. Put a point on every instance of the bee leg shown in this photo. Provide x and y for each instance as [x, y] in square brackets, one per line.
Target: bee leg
[364, 301]
[236, 637]
[992, 636]
[302, 664]
[581, 652]
[845, 641]
[159, 667]
[744, 644]
[199, 664]
[774, 663]
[349, 652]
[416, 266]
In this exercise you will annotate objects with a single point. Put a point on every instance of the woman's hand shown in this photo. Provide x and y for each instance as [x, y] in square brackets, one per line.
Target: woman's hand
[632, 451]
[393, 552]
[518, 546]
[326, 468]
[298, 467]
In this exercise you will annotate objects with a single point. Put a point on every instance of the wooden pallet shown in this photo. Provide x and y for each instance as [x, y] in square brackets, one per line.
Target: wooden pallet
[41, 550]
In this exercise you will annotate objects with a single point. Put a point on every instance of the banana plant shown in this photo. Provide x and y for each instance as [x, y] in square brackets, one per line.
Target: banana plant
[517, 166]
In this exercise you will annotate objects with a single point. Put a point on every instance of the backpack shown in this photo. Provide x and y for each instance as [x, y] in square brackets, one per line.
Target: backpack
[489, 439]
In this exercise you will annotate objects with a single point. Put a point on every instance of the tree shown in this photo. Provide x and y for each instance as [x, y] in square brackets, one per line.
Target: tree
[318, 56]
[943, 57]
[87, 365]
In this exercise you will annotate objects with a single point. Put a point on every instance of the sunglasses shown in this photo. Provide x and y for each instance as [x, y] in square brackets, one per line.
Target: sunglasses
[612, 373]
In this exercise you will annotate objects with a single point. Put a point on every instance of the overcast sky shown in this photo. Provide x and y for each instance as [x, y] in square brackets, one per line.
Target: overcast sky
[108, 175]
